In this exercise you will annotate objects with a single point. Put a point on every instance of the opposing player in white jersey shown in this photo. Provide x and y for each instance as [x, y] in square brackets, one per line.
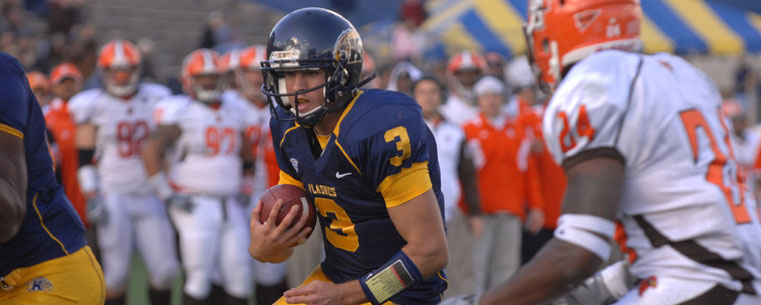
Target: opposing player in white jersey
[112, 124]
[642, 140]
[203, 134]
[270, 278]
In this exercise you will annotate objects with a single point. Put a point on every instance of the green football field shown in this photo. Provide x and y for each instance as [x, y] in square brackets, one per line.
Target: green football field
[137, 292]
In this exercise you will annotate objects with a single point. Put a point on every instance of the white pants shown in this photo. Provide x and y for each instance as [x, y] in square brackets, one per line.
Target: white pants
[214, 240]
[497, 252]
[670, 291]
[138, 220]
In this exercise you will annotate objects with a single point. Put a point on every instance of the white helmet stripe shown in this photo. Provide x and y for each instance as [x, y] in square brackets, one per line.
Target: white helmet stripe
[120, 58]
[208, 62]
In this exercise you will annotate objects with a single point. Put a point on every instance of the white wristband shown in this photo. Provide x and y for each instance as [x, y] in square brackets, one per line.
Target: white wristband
[161, 186]
[590, 223]
[585, 239]
[87, 178]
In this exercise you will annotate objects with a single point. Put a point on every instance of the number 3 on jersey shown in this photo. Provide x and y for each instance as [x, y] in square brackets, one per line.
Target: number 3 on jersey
[693, 120]
[340, 233]
[583, 128]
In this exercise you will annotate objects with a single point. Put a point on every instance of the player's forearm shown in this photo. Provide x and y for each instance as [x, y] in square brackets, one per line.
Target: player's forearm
[554, 271]
[352, 293]
[13, 207]
[430, 258]
[272, 258]
[152, 155]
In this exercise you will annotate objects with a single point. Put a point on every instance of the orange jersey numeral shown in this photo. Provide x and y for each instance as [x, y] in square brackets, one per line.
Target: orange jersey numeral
[583, 129]
[692, 119]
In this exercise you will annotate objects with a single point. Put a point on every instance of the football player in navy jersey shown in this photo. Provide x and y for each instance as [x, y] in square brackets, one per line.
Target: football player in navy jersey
[43, 255]
[367, 161]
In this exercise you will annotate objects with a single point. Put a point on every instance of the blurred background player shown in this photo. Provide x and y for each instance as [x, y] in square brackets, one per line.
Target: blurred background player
[403, 75]
[40, 85]
[495, 65]
[230, 63]
[66, 82]
[507, 182]
[43, 255]
[458, 184]
[366, 160]
[642, 140]
[270, 278]
[112, 125]
[205, 137]
[463, 71]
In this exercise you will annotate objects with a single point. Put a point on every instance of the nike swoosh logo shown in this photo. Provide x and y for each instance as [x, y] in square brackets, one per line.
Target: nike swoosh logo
[339, 175]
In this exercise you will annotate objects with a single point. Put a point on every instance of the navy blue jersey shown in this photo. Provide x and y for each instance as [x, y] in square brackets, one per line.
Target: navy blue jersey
[380, 155]
[51, 227]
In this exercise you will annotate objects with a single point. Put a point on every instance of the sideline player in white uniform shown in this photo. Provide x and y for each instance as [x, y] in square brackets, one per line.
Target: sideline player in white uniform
[270, 278]
[642, 140]
[204, 135]
[112, 124]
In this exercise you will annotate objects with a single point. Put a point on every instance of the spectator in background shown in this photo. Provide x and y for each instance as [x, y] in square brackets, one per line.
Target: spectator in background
[407, 41]
[457, 173]
[66, 82]
[495, 65]
[82, 50]
[463, 70]
[507, 182]
[147, 48]
[40, 85]
[219, 35]
[63, 15]
[402, 77]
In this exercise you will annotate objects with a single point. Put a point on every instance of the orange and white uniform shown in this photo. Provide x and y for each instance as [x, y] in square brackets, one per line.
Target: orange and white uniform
[685, 210]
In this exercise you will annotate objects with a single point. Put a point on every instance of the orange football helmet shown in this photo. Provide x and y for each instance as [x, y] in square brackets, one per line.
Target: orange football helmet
[120, 64]
[202, 62]
[251, 61]
[560, 33]
[38, 80]
[463, 70]
[230, 61]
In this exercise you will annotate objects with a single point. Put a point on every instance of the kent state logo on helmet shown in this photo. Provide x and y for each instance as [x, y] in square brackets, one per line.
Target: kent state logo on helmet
[562, 33]
[312, 38]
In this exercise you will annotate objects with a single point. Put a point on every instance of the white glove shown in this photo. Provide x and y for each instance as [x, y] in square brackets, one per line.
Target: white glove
[463, 299]
[160, 186]
[96, 211]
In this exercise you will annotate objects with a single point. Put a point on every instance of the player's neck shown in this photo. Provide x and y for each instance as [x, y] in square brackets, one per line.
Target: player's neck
[328, 124]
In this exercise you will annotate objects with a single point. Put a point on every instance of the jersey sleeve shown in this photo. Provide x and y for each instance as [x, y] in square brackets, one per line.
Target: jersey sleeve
[585, 116]
[168, 110]
[287, 173]
[392, 149]
[17, 100]
[82, 106]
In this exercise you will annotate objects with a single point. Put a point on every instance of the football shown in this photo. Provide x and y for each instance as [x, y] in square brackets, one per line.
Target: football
[291, 195]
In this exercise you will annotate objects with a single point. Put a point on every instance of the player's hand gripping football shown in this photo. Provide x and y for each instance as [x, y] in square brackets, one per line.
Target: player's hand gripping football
[322, 293]
[271, 242]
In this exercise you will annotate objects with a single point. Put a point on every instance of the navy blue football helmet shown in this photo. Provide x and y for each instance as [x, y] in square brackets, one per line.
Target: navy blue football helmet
[307, 39]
